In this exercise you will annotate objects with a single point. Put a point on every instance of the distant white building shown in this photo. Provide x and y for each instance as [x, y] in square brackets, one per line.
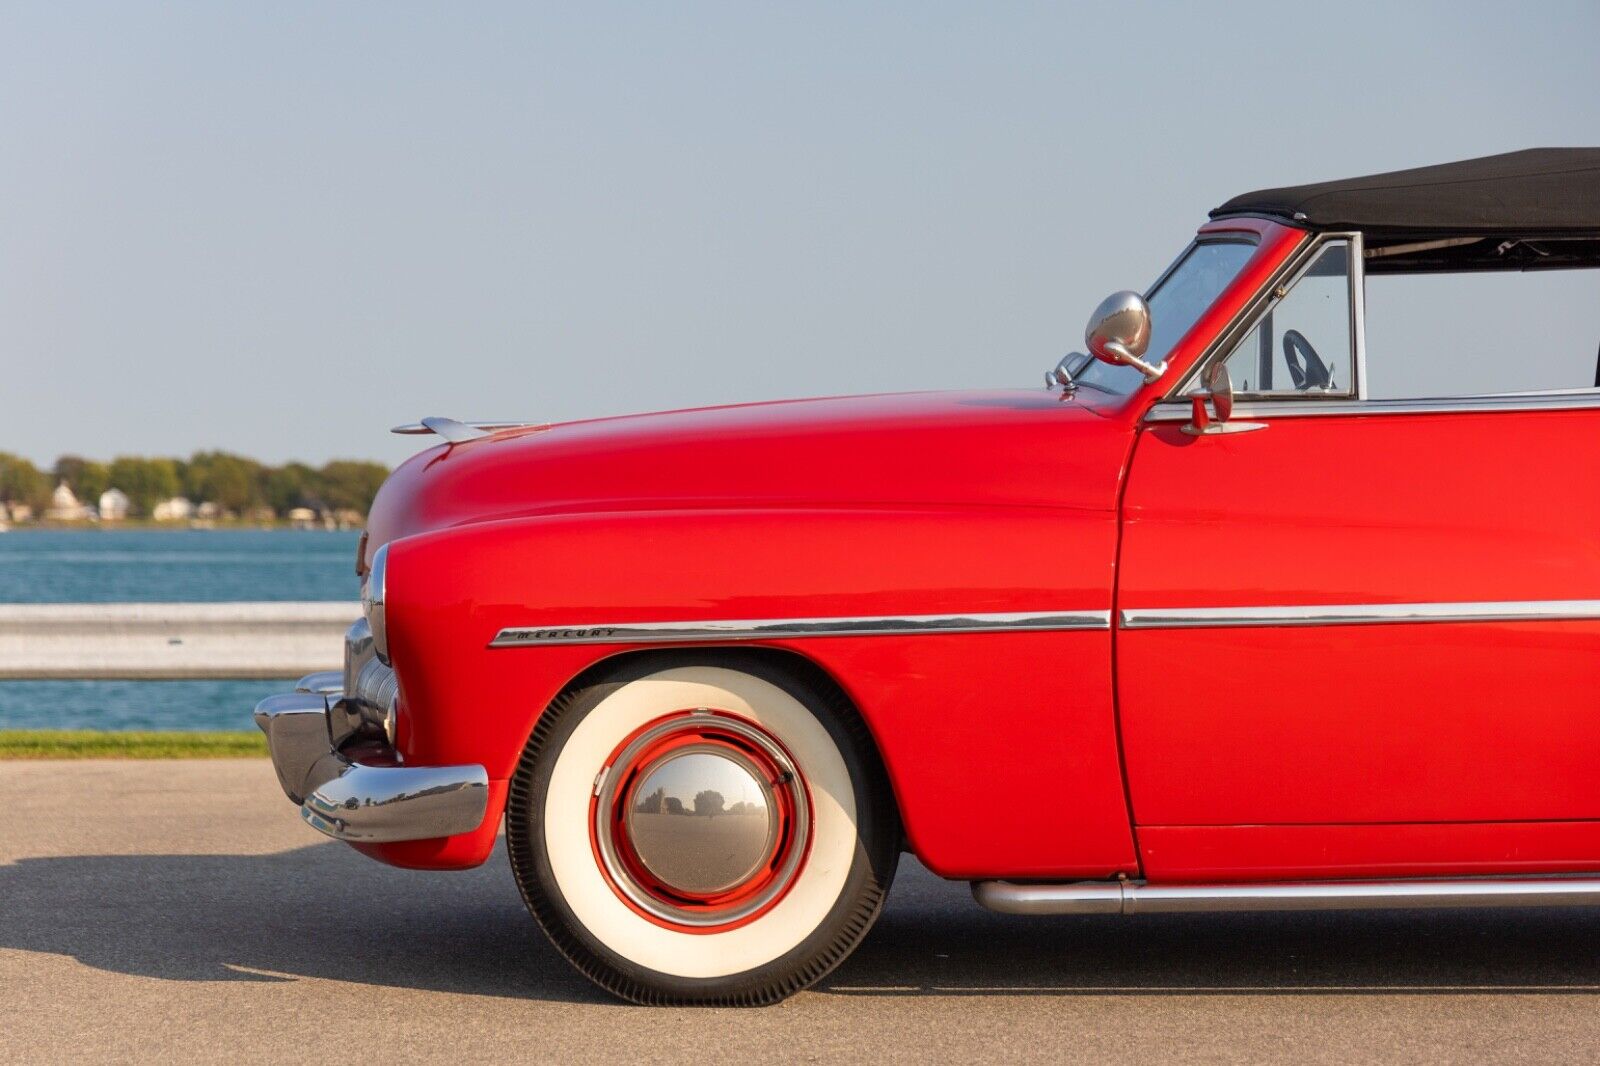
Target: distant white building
[177, 509]
[64, 505]
[302, 517]
[113, 505]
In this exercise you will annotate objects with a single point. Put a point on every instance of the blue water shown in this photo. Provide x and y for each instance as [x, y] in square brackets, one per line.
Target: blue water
[183, 566]
[135, 566]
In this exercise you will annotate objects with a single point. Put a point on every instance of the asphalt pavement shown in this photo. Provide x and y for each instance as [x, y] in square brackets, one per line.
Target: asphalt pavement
[180, 911]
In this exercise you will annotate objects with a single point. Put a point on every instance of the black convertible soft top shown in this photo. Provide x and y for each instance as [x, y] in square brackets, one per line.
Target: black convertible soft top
[1545, 201]
[1543, 190]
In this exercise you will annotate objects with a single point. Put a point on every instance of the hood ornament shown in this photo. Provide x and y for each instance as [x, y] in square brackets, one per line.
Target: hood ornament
[458, 432]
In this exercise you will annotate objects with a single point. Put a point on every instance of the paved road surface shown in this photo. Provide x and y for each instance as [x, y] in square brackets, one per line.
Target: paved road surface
[180, 911]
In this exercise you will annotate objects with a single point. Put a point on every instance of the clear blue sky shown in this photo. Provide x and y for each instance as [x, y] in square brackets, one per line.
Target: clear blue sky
[281, 228]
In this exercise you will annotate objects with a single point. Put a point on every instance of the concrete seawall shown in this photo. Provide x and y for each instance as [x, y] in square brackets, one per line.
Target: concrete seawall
[171, 641]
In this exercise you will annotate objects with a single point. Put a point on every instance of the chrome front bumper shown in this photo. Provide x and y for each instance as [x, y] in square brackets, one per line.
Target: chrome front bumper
[309, 732]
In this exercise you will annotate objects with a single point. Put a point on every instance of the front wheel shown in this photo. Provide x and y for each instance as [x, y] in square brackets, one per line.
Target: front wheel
[712, 832]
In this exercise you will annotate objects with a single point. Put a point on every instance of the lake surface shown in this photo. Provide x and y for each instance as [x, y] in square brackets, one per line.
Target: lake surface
[178, 566]
[146, 566]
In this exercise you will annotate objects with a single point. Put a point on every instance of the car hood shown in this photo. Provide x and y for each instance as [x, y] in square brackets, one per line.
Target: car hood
[929, 449]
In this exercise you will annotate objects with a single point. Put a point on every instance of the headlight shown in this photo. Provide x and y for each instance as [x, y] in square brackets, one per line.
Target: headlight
[372, 603]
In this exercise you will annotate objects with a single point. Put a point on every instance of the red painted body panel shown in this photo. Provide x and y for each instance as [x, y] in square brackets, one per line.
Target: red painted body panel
[937, 706]
[1464, 722]
[922, 504]
[997, 449]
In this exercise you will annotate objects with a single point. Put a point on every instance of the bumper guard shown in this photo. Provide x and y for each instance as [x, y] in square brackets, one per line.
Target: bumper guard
[362, 802]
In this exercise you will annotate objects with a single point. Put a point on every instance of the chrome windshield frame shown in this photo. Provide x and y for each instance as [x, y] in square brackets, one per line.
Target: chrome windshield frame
[1286, 277]
[1223, 236]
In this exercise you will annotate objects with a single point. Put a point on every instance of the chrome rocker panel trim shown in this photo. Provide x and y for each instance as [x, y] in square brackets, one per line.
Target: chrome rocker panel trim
[1139, 897]
[791, 628]
[1355, 614]
[357, 802]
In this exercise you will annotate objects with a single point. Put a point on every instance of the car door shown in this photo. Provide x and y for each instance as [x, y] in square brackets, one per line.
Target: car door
[1360, 638]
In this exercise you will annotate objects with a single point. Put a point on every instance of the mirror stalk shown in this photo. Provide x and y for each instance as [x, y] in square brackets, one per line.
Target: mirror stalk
[1213, 406]
[1151, 371]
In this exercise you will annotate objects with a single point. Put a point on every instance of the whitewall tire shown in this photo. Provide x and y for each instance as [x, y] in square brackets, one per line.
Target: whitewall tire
[708, 828]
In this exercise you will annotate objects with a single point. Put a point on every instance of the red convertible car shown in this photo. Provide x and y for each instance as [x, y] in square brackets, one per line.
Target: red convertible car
[1212, 621]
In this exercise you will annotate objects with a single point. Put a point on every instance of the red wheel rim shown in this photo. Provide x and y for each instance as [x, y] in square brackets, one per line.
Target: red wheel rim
[701, 820]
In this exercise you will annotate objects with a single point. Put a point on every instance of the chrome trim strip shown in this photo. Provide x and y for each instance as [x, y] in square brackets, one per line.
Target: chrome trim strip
[790, 628]
[373, 591]
[1355, 614]
[1570, 400]
[1358, 312]
[1139, 897]
[1075, 897]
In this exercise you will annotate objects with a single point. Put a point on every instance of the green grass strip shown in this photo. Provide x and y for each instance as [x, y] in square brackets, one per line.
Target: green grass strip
[97, 744]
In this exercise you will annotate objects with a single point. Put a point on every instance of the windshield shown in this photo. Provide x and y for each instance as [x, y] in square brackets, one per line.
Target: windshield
[1176, 304]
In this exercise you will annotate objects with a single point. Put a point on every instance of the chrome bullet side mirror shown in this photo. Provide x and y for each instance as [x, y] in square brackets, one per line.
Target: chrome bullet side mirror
[1119, 333]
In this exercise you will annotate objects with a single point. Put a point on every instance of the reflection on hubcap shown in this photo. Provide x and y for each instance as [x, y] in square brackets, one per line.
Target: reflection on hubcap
[704, 823]
[701, 819]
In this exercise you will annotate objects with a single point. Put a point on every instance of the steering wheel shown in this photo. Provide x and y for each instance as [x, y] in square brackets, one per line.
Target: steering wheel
[1306, 368]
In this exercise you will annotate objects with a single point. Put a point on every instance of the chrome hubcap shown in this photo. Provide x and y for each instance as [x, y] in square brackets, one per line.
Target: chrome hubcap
[701, 819]
[702, 822]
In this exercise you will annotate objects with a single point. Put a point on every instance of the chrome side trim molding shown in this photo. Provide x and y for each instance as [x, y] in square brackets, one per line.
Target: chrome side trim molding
[790, 628]
[1139, 897]
[1356, 614]
[1570, 400]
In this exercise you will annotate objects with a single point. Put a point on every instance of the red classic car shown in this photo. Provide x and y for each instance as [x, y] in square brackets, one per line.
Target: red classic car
[1207, 622]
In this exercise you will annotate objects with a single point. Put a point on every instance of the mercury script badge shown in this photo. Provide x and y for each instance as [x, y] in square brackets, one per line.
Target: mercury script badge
[590, 633]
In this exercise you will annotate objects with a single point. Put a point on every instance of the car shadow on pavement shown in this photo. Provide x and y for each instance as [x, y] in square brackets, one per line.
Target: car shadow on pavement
[934, 939]
[323, 911]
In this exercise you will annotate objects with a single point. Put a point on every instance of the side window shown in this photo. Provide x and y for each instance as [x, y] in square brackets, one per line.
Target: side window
[1302, 346]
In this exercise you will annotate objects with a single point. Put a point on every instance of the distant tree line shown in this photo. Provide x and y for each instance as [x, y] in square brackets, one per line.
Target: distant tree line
[232, 482]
